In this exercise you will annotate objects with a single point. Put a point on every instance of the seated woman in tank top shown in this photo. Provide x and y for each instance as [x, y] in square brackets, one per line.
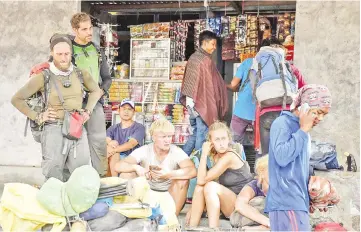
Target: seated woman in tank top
[217, 188]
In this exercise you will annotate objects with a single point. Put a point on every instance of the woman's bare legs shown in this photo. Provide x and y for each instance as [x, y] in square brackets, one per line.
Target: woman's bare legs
[218, 198]
[198, 205]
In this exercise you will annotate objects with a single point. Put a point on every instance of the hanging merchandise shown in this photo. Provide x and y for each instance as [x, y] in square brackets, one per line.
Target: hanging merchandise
[241, 30]
[179, 34]
[109, 42]
[264, 26]
[286, 33]
[293, 24]
[228, 34]
[232, 25]
[247, 36]
[283, 27]
[199, 26]
[215, 25]
[225, 26]
[228, 48]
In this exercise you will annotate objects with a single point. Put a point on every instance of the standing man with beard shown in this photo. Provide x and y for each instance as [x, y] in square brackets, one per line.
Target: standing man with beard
[64, 80]
[86, 56]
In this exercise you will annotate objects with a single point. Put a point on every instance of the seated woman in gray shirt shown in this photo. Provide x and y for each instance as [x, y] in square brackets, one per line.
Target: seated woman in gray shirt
[232, 173]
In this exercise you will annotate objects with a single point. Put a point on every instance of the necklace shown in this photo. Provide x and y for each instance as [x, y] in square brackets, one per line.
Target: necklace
[65, 80]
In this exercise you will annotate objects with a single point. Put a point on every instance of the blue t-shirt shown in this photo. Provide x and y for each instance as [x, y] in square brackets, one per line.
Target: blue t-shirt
[245, 106]
[288, 165]
[135, 131]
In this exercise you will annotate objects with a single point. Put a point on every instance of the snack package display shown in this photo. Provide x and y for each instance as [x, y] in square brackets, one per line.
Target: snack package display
[122, 71]
[177, 71]
[150, 30]
[150, 58]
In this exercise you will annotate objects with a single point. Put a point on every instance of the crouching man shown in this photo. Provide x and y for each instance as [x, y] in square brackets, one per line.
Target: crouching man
[167, 167]
[64, 92]
[123, 137]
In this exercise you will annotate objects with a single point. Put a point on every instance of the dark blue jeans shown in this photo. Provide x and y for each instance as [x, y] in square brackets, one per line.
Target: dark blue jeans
[196, 140]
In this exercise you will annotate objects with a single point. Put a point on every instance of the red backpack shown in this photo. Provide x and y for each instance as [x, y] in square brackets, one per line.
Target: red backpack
[38, 101]
[329, 226]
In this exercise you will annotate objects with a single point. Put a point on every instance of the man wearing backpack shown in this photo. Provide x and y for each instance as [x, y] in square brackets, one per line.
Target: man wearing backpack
[62, 89]
[86, 56]
[271, 110]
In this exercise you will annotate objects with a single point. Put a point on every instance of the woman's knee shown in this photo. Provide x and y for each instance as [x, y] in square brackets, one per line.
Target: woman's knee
[211, 188]
[199, 189]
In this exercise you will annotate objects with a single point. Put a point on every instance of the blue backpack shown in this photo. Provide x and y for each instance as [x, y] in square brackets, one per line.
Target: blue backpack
[275, 84]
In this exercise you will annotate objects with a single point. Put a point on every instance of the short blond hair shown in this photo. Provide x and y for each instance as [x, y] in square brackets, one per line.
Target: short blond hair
[261, 165]
[79, 18]
[161, 125]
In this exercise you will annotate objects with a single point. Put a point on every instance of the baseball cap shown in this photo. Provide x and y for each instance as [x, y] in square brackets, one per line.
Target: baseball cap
[127, 101]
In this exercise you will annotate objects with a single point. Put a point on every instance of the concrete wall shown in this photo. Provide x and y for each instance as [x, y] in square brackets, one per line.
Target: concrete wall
[26, 27]
[327, 50]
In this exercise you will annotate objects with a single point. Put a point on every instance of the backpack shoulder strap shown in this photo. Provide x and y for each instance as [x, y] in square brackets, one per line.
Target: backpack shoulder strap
[245, 82]
[289, 68]
[282, 75]
[80, 75]
[72, 54]
[46, 75]
[99, 53]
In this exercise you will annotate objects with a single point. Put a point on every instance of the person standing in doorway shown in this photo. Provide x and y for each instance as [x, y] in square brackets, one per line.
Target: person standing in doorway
[87, 56]
[203, 91]
[245, 107]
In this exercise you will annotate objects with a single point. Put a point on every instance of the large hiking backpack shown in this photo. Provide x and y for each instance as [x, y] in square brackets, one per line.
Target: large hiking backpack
[275, 83]
[39, 101]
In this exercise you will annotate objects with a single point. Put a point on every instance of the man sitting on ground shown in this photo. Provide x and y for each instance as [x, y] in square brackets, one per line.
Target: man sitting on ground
[123, 137]
[167, 167]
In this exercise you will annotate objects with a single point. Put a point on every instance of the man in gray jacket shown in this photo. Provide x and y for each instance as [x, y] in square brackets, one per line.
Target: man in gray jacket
[88, 57]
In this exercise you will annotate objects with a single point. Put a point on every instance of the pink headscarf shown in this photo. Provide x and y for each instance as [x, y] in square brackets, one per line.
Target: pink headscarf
[317, 96]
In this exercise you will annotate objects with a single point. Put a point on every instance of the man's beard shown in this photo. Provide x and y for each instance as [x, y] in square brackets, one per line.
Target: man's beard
[62, 67]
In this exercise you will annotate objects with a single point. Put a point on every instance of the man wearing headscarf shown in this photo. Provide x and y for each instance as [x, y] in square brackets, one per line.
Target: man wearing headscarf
[287, 201]
[61, 78]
